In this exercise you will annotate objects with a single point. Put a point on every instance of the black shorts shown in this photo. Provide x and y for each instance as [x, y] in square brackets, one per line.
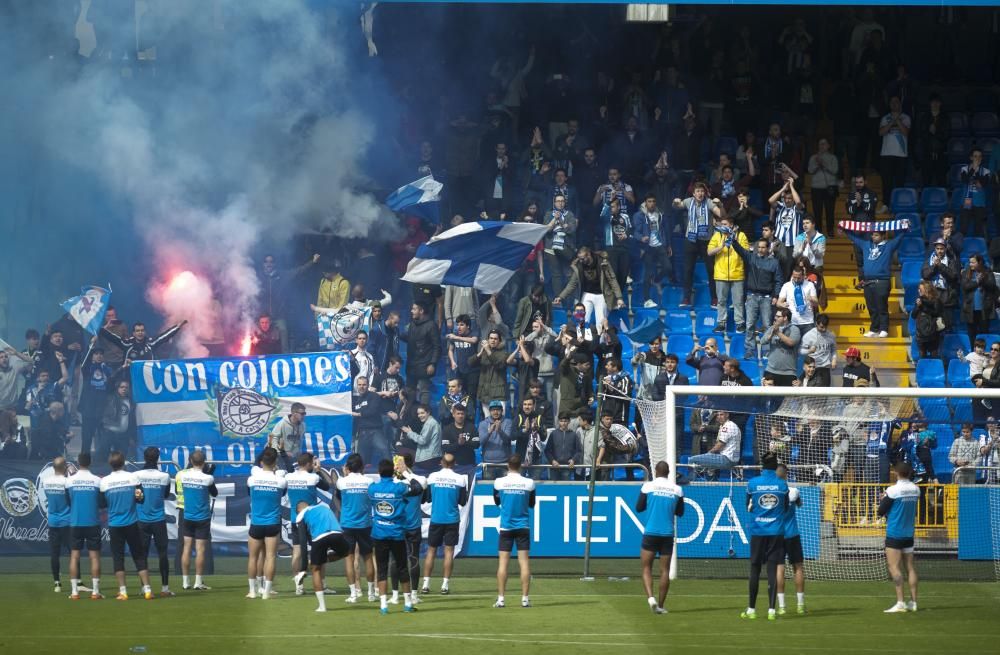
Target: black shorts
[319, 555]
[360, 537]
[59, 539]
[198, 529]
[131, 536]
[445, 534]
[658, 544]
[509, 538]
[764, 549]
[296, 540]
[155, 532]
[793, 550]
[264, 531]
[89, 536]
[383, 549]
[905, 545]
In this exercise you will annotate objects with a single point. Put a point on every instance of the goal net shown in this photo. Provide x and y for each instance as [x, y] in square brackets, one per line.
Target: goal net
[839, 446]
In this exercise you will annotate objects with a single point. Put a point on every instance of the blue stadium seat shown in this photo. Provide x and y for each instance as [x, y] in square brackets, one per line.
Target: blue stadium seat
[679, 321]
[904, 200]
[959, 123]
[930, 373]
[950, 343]
[752, 369]
[911, 248]
[916, 228]
[558, 318]
[961, 409]
[680, 345]
[987, 145]
[958, 150]
[935, 410]
[700, 274]
[932, 221]
[911, 278]
[990, 338]
[958, 374]
[943, 468]
[672, 297]
[728, 145]
[985, 124]
[705, 322]
[933, 199]
[973, 246]
[737, 342]
[616, 316]
[955, 175]
[702, 296]
[640, 314]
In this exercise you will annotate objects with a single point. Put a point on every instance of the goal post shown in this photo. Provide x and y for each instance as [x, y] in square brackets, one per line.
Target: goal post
[821, 434]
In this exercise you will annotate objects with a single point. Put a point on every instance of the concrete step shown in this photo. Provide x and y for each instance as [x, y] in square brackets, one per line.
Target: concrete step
[878, 352]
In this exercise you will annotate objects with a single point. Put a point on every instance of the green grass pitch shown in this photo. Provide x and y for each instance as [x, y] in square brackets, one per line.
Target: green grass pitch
[568, 616]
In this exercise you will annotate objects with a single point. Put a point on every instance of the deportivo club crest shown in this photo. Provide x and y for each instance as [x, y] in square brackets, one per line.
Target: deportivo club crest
[18, 497]
[243, 412]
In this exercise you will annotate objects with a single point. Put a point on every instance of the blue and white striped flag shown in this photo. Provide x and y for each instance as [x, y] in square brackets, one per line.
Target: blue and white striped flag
[481, 255]
[338, 329]
[89, 307]
[418, 198]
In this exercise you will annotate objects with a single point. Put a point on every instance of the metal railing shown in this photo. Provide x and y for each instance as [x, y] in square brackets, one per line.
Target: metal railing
[582, 467]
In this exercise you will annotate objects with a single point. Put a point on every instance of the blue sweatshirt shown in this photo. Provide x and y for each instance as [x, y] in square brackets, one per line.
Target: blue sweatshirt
[877, 257]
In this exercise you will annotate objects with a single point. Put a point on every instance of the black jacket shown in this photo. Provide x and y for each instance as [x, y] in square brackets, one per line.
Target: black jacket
[423, 347]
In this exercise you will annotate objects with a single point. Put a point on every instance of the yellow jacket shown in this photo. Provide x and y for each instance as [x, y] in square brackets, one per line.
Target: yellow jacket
[334, 293]
[728, 263]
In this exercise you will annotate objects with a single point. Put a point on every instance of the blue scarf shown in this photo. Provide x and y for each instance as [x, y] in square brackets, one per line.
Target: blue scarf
[800, 301]
[697, 228]
[938, 279]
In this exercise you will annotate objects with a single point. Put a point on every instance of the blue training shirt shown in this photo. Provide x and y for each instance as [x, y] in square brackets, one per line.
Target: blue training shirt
[302, 486]
[790, 522]
[156, 486]
[663, 501]
[413, 517]
[388, 498]
[198, 487]
[266, 491]
[448, 491]
[82, 489]
[319, 521]
[515, 494]
[355, 505]
[767, 499]
[899, 505]
[118, 489]
[56, 503]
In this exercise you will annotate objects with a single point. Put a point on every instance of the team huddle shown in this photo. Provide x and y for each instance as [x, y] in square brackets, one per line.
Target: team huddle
[377, 527]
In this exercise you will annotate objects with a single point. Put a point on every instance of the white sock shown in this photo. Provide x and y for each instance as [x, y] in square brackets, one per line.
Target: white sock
[260, 582]
[95, 585]
[385, 601]
[321, 599]
[267, 586]
[197, 581]
[800, 597]
[122, 589]
[651, 601]
[165, 589]
[74, 586]
[524, 598]
[146, 589]
[354, 590]
[408, 599]
[781, 601]
[444, 583]
[185, 582]
[499, 599]
[395, 595]
[427, 582]
[253, 585]
[770, 610]
[371, 588]
[751, 610]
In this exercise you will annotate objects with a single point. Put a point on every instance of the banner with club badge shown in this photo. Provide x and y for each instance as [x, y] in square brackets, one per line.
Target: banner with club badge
[228, 407]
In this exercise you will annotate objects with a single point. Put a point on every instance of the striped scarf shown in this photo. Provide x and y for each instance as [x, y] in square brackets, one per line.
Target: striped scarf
[697, 228]
[896, 225]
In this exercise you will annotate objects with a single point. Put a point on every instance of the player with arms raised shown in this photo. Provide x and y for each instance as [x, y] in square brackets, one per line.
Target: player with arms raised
[664, 501]
[793, 550]
[899, 506]
[515, 494]
[320, 526]
[767, 499]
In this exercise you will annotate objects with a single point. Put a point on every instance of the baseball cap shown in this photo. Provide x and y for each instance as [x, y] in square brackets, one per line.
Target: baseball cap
[852, 352]
[496, 404]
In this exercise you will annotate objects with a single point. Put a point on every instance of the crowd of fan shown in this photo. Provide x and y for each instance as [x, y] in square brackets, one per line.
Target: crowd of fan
[637, 181]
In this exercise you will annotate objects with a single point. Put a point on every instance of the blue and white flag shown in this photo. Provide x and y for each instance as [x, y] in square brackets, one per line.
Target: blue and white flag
[481, 255]
[228, 407]
[338, 329]
[418, 198]
[89, 307]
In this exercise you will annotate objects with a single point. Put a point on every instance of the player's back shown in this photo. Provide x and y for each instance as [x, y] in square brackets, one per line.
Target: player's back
[319, 521]
[767, 499]
[197, 488]
[155, 486]
[56, 505]
[118, 488]
[447, 490]
[514, 492]
[901, 518]
[355, 505]
[662, 498]
[302, 487]
[790, 523]
[83, 488]
[412, 516]
[388, 508]
[266, 491]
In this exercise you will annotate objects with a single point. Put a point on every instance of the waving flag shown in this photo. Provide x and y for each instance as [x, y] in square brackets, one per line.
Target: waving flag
[644, 332]
[481, 255]
[419, 198]
[341, 328]
[89, 307]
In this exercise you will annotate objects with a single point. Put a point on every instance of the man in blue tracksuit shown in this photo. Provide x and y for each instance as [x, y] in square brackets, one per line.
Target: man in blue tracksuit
[877, 273]
[767, 500]
[388, 501]
[899, 507]
[664, 501]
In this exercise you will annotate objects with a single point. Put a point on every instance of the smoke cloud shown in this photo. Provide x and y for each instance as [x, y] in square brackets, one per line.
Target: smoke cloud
[246, 126]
